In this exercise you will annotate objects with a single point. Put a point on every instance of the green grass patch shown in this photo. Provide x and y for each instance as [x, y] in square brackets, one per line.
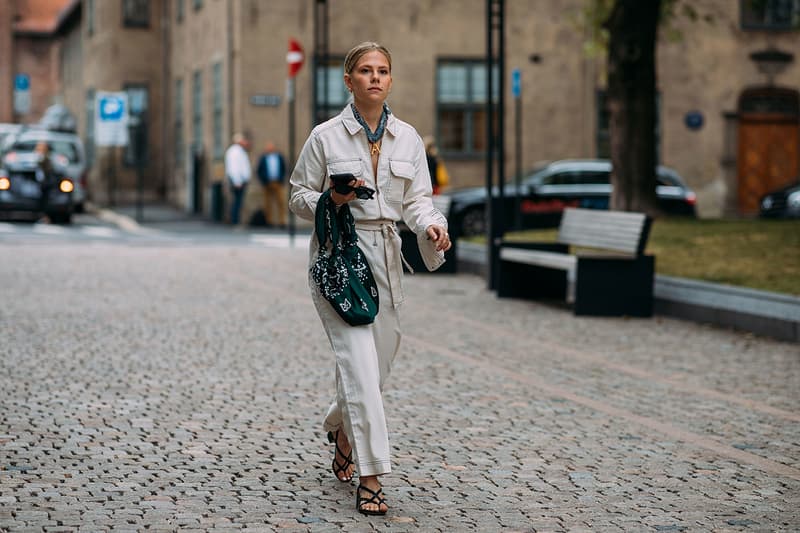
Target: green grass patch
[760, 254]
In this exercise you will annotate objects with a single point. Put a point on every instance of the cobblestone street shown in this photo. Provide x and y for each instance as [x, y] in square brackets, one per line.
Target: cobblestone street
[177, 387]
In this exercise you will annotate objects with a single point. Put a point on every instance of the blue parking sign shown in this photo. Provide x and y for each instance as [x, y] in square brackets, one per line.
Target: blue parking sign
[111, 118]
[22, 82]
[112, 108]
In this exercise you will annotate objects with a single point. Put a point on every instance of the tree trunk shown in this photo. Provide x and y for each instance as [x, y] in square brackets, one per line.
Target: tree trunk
[633, 27]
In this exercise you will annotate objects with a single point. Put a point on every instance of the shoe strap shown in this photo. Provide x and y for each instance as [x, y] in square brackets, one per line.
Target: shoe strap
[341, 466]
[376, 496]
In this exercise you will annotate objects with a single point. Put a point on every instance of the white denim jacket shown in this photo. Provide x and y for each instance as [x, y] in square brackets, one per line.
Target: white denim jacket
[403, 183]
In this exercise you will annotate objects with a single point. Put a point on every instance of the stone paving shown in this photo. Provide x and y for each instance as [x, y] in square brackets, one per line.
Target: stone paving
[182, 388]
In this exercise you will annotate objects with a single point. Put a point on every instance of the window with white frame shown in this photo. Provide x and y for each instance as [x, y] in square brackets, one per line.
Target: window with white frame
[197, 110]
[137, 116]
[461, 87]
[216, 115]
[90, 118]
[331, 92]
[179, 141]
[136, 13]
[770, 15]
[90, 17]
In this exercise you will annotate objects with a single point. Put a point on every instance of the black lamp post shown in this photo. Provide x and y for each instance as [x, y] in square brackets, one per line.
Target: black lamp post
[321, 59]
[495, 139]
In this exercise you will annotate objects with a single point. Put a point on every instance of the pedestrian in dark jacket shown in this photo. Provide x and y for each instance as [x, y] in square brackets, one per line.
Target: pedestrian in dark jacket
[271, 171]
[45, 176]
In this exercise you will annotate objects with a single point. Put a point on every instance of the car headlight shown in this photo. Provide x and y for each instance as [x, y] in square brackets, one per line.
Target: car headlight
[5, 183]
[793, 200]
[66, 186]
[766, 203]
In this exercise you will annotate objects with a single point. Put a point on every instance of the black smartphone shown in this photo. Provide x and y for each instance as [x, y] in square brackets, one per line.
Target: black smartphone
[341, 184]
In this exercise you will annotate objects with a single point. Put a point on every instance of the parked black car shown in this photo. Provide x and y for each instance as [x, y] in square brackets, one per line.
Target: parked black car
[783, 203]
[21, 189]
[66, 145]
[545, 193]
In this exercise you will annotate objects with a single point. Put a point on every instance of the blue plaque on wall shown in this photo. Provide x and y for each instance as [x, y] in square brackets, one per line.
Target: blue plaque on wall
[693, 120]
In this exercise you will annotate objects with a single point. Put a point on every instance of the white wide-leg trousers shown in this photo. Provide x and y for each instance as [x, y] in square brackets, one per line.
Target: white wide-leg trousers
[364, 354]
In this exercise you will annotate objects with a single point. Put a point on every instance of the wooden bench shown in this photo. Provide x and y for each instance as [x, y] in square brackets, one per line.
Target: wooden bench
[608, 274]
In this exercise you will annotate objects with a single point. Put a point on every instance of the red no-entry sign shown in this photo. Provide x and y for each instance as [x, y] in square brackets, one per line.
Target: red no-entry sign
[294, 57]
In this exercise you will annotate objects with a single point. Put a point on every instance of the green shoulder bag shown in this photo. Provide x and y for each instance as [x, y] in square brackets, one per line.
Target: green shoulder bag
[341, 271]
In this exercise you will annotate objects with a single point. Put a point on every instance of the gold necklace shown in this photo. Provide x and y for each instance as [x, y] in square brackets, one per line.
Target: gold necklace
[375, 148]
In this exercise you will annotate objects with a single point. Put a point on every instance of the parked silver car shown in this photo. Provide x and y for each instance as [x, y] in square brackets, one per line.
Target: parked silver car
[67, 146]
[6, 129]
[544, 193]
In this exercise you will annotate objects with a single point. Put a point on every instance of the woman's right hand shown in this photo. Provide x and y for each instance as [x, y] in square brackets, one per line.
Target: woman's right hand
[341, 199]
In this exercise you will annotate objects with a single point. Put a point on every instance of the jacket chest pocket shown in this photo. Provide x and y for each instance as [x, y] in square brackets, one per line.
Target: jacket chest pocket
[401, 173]
[344, 166]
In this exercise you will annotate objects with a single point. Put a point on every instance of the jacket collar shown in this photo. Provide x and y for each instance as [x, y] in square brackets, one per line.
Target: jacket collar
[353, 127]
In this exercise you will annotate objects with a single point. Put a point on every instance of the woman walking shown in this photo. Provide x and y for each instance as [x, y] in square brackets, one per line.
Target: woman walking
[387, 155]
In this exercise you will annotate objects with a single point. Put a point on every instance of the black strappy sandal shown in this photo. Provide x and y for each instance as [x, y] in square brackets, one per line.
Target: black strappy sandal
[376, 498]
[336, 465]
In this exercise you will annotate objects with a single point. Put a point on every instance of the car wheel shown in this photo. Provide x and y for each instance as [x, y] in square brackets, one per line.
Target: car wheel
[473, 222]
[62, 218]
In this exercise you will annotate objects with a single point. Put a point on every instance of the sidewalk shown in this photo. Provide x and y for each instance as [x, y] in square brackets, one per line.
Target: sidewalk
[153, 215]
[183, 389]
[168, 217]
[765, 313]
[761, 312]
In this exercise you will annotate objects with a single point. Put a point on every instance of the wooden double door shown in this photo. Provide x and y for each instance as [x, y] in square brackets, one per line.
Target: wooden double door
[769, 148]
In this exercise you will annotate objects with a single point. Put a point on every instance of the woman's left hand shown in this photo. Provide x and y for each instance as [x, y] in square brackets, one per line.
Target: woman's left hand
[439, 236]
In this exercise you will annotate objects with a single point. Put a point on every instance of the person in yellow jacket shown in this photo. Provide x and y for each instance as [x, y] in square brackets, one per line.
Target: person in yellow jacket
[436, 168]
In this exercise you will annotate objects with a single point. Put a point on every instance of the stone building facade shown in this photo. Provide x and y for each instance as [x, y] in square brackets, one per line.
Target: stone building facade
[30, 47]
[7, 69]
[210, 68]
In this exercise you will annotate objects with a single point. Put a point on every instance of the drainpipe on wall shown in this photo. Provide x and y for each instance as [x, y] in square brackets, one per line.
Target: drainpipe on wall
[230, 53]
[163, 187]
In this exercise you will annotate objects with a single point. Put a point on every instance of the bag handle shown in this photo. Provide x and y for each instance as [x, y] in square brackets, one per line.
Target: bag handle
[327, 221]
[322, 219]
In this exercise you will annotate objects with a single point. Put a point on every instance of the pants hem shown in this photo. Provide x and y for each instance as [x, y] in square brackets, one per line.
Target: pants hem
[374, 468]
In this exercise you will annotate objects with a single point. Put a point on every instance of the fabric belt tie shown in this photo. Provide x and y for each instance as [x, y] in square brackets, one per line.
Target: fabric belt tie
[392, 251]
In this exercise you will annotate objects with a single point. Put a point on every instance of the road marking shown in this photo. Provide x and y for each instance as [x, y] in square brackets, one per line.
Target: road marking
[99, 231]
[47, 229]
[280, 241]
[617, 413]
[5, 227]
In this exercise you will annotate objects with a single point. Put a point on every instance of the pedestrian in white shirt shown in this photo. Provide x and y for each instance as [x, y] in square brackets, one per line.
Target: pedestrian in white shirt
[237, 170]
[385, 154]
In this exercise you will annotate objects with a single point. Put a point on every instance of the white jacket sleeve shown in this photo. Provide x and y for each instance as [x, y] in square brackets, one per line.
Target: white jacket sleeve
[308, 179]
[418, 209]
[237, 165]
